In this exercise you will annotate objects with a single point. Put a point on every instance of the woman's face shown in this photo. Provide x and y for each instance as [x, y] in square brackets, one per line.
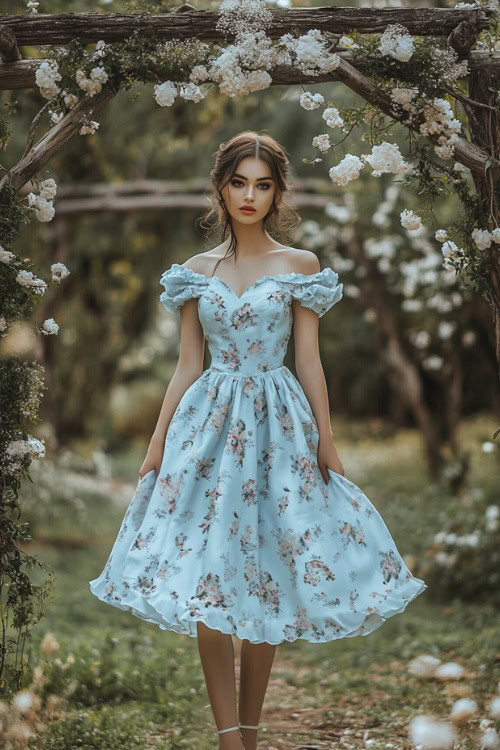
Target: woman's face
[251, 185]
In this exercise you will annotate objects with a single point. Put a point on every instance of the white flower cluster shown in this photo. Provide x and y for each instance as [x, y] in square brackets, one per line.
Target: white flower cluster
[404, 97]
[89, 128]
[397, 42]
[19, 448]
[32, 6]
[346, 170]
[410, 220]
[5, 255]
[91, 84]
[46, 77]
[332, 117]
[311, 101]
[440, 120]
[311, 52]
[483, 238]
[59, 272]
[322, 142]
[386, 158]
[49, 327]
[38, 286]
[43, 202]
[27, 279]
[445, 61]
[240, 17]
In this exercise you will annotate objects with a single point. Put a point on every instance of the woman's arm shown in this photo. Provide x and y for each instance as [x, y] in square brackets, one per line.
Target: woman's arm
[189, 367]
[312, 379]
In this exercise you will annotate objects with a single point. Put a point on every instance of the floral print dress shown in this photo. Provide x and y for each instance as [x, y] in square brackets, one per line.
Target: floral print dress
[239, 529]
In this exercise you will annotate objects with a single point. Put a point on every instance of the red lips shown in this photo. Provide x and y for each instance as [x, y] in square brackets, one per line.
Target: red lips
[247, 209]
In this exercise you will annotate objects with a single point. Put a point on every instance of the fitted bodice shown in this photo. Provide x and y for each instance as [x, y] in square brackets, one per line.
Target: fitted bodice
[248, 335]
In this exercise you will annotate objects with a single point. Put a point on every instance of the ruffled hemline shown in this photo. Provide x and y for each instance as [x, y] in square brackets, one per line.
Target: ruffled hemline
[184, 623]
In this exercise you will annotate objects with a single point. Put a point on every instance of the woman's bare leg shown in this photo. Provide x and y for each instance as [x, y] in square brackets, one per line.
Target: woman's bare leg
[217, 657]
[256, 660]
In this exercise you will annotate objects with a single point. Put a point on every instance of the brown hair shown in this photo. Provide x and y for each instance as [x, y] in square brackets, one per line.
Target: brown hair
[282, 216]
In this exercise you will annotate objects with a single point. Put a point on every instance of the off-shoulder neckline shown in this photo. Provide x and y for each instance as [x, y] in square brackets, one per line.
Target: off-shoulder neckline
[277, 276]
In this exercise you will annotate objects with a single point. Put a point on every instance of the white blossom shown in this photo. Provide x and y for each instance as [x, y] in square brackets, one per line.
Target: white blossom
[396, 42]
[89, 128]
[59, 271]
[70, 99]
[91, 86]
[27, 279]
[46, 76]
[332, 117]
[5, 255]
[49, 327]
[386, 158]
[311, 52]
[191, 92]
[449, 248]
[31, 446]
[198, 74]
[482, 238]
[311, 101]
[165, 93]
[410, 220]
[346, 170]
[439, 120]
[99, 74]
[488, 447]
[32, 6]
[495, 235]
[322, 142]
[441, 235]
[48, 189]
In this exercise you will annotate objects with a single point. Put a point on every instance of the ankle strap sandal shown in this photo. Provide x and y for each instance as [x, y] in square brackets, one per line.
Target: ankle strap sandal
[229, 729]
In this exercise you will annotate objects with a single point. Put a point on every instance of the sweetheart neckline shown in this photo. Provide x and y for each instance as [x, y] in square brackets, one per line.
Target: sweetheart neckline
[258, 281]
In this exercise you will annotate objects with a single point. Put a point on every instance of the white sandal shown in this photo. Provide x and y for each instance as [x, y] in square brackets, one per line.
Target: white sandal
[229, 729]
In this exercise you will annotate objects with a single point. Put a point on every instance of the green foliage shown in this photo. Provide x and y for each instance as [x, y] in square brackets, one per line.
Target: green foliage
[465, 556]
[106, 730]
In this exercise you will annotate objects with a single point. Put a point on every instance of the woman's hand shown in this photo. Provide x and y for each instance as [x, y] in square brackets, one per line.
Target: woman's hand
[328, 458]
[153, 459]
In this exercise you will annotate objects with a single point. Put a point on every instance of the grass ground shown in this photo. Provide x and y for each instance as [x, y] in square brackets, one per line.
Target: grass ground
[130, 685]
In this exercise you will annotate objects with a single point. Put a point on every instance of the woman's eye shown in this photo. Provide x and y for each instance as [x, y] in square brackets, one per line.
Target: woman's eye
[261, 184]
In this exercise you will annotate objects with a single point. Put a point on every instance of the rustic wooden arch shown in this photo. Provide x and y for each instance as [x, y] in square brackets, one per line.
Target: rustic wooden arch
[461, 28]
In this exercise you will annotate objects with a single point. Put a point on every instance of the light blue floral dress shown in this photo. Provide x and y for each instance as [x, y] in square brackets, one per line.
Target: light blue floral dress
[239, 529]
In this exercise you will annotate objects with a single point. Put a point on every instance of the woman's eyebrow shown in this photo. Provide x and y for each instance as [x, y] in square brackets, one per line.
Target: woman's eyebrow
[246, 178]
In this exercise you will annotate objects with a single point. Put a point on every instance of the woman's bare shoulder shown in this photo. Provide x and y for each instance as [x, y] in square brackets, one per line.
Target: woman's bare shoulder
[302, 261]
[202, 262]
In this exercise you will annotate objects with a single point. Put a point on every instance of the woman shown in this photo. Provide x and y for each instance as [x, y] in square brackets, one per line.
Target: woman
[243, 522]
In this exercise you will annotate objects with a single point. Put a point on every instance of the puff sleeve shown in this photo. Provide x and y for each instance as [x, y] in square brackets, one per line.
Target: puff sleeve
[181, 284]
[318, 291]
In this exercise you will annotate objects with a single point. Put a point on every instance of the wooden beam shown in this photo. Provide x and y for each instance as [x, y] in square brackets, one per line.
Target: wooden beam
[61, 28]
[53, 140]
[21, 74]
